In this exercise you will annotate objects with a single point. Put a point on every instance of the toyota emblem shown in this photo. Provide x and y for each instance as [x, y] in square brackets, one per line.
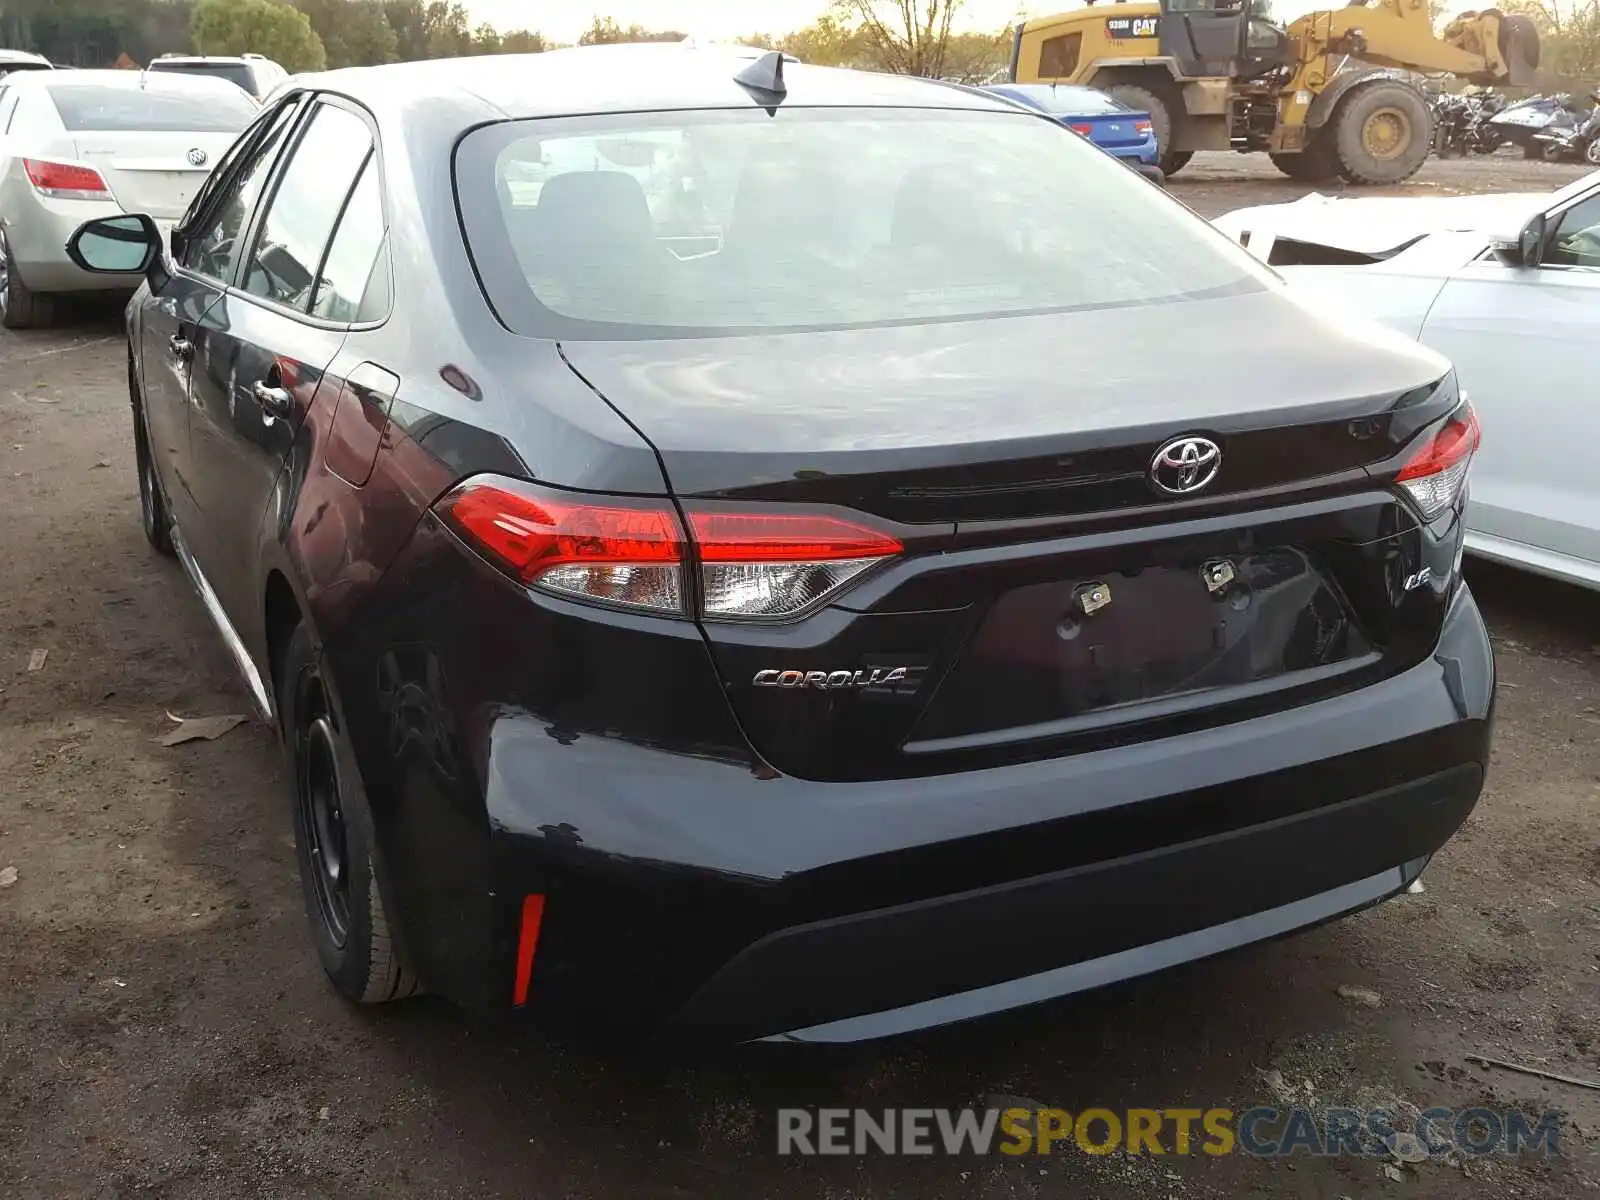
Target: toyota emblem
[1184, 465]
[197, 157]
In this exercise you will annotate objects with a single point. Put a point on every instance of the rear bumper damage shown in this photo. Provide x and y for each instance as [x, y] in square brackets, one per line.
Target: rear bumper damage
[748, 904]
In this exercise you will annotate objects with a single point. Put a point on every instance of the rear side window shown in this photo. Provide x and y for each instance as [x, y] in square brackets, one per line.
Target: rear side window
[311, 194]
[89, 108]
[346, 278]
[732, 221]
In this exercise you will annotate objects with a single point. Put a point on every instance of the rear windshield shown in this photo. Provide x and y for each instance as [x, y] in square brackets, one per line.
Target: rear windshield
[1068, 101]
[732, 221]
[88, 107]
[236, 73]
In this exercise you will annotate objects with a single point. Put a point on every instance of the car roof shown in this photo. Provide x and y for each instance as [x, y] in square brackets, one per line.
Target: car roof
[205, 58]
[631, 78]
[21, 56]
[110, 78]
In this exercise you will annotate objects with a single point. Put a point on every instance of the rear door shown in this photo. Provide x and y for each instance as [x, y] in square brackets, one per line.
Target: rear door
[206, 247]
[1523, 343]
[264, 347]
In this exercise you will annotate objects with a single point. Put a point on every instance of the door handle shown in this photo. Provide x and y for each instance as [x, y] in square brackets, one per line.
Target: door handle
[182, 348]
[274, 401]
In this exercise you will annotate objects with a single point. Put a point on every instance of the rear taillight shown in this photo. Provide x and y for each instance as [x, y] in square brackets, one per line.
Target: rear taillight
[65, 181]
[1085, 130]
[1141, 127]
[621, 552]
[1436, 474]
[774, 565]
[750, 564]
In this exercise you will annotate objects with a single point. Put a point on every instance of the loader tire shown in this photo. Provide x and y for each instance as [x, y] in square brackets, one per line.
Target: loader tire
[1519, 43]
[1314, 164]
[1145, 100]
[1382, 133]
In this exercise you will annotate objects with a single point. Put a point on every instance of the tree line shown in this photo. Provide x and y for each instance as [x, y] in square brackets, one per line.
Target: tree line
[905, 36]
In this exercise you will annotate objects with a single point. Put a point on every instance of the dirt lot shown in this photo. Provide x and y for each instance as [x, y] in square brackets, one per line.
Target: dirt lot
[165, 1031]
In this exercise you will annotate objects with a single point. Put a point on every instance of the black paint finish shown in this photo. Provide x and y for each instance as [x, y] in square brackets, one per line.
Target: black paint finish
[752, 859]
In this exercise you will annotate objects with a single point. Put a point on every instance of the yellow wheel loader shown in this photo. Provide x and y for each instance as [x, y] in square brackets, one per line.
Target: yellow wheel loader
[1333, 94]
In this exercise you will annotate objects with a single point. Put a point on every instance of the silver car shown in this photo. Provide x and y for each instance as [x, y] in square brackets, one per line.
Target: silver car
[75, 145]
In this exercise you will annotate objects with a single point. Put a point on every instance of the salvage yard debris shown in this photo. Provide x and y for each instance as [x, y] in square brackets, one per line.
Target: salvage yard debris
[195, 729]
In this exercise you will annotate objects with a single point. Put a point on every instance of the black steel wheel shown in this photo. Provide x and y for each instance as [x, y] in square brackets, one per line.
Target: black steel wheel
[334, 840]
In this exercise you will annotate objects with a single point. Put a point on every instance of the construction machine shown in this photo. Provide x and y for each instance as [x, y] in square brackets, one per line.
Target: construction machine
[1334, 93]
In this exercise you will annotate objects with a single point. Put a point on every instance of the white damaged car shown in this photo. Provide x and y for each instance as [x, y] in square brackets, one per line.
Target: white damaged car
[1506, 286]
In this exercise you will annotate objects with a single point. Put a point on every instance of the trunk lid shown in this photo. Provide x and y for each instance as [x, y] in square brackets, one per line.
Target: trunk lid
[1112, 130]
[152, 172]
[1050, 597]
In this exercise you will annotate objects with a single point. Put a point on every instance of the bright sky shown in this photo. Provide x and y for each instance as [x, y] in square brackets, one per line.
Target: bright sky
[564, 20]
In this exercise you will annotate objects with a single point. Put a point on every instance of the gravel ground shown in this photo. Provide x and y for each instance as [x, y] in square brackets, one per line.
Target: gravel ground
[165, 1031]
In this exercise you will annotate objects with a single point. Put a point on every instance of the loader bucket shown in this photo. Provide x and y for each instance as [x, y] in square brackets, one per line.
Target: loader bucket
[1519, 46]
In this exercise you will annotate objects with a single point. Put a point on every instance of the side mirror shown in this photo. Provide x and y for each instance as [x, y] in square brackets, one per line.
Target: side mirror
[1521, 249]
[127, 245]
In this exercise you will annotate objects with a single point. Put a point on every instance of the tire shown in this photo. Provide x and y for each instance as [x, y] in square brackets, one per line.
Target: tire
[153, 514]
[1591, 153]
[1519, 43]
[20, 307]
[1314, 164]
[1143, 99]
[1382, 133]
[334, 839]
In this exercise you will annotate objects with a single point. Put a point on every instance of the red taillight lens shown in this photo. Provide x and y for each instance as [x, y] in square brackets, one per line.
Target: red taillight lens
[759, 565]
[1435, 475]
[772, 566]
[614, 550]
[1085, 130]
[65, 181]
[1141, 127]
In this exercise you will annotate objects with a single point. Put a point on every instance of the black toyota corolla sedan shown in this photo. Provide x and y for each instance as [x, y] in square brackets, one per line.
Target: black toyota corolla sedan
[789, 552]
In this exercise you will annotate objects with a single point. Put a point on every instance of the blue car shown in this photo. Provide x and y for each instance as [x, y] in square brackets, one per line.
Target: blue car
[1115, 128]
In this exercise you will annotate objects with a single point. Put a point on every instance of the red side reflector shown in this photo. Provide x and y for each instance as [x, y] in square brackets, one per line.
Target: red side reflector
[51, 177]
[527, 943]
[1086, 130]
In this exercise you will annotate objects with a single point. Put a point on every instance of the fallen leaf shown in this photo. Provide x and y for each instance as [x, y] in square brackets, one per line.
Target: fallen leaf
[36, 660]
[8, 876]
[104, 462]
[201, 729]
[324, 1113]
[1393, 1173]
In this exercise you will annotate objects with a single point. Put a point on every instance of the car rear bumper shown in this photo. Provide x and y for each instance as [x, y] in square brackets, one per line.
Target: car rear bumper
[38, 233]
[750, 904]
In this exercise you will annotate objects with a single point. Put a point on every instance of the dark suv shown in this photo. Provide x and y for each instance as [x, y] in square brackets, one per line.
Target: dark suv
[802, 553]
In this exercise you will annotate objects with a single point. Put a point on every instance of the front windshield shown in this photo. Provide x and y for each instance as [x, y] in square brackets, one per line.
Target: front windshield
[735, 221]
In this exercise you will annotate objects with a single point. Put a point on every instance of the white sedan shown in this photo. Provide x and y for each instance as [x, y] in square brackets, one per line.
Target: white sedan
[75, 145]
[1508, 288]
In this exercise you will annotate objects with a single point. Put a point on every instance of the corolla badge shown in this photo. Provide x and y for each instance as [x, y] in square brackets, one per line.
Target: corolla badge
[826, 680]
[1185, 465]
[196, 157]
